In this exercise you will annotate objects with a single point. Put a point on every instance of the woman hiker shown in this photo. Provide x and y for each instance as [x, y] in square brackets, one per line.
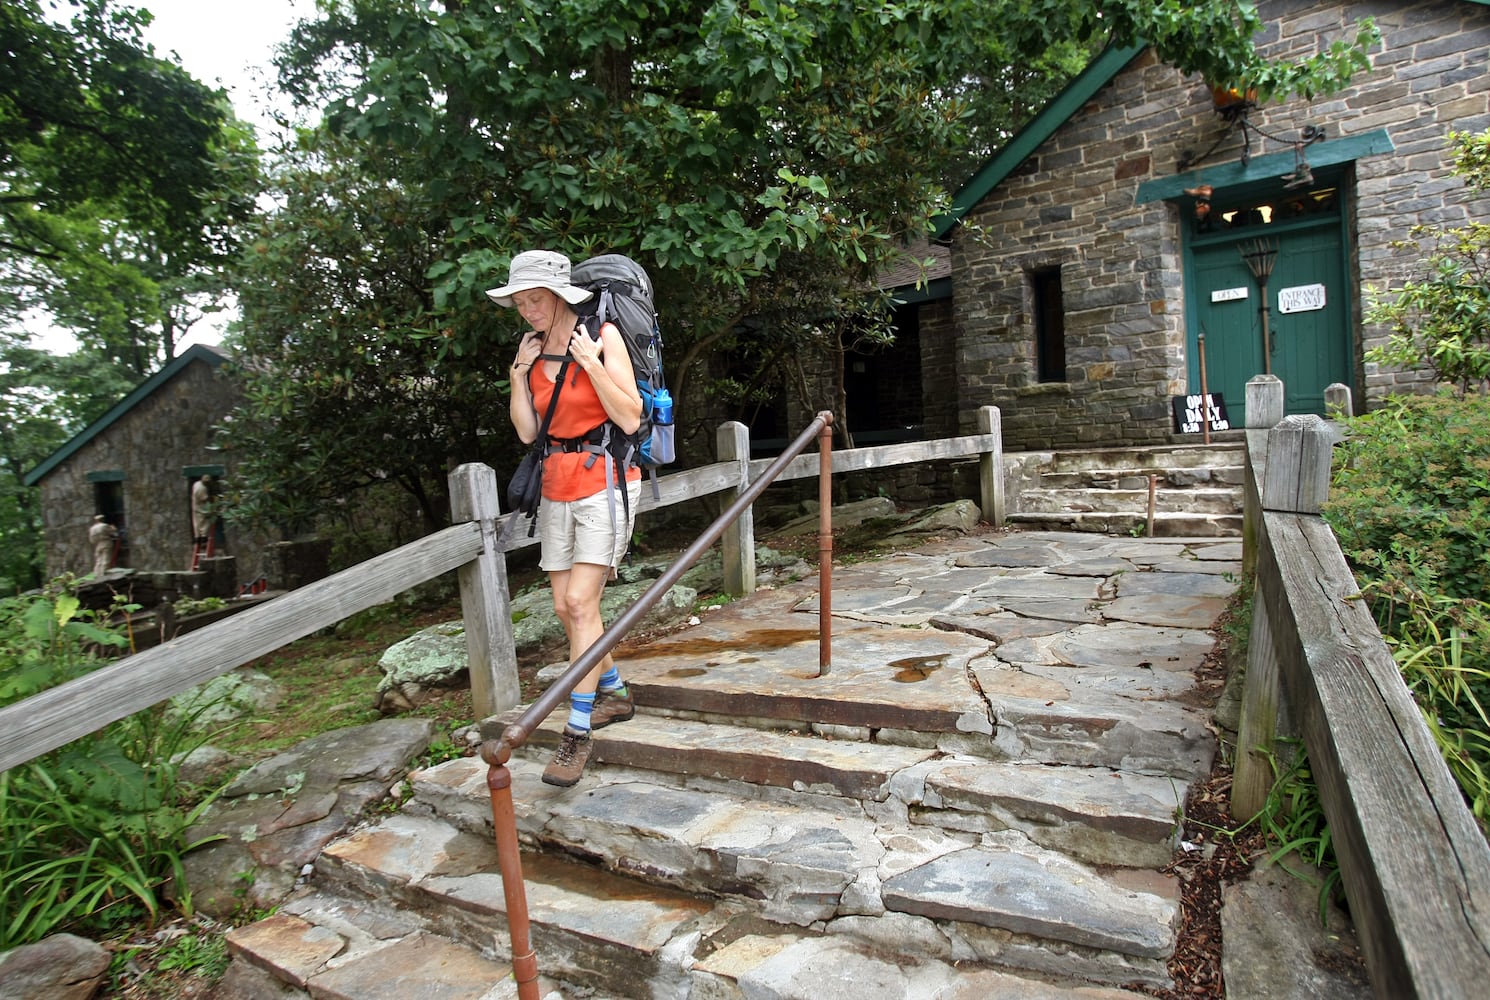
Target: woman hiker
[583, 526]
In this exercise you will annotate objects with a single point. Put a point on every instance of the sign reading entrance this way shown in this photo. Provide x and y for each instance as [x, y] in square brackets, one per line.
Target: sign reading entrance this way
[1187, 414]
[1301, 298]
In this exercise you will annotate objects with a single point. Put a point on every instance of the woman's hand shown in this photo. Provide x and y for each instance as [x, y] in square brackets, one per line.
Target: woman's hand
[527, 352]
[585, 349]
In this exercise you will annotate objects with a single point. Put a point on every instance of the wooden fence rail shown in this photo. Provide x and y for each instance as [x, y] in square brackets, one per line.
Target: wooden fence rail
[59, 715]
[1414, 864]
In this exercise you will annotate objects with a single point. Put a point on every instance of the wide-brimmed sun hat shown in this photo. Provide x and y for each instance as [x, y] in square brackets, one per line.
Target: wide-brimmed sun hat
[538, 269]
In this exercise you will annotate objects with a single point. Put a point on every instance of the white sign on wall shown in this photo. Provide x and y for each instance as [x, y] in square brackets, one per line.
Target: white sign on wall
[1229, 294]
[1301, 298]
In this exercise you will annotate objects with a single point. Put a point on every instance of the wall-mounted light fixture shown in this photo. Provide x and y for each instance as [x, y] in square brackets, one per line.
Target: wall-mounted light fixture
[1235, 105]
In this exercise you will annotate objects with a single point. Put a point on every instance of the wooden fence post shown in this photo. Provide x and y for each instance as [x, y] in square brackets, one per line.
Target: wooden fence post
[1264, 399]
[1337, 401]
[991, 467]
[1265, 719]
[1295, 480]
[484, 600]
[1264, 408]
[737, 544]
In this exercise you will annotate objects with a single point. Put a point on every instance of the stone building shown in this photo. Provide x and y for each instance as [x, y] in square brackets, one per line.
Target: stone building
[1135, 215]
[136, 466]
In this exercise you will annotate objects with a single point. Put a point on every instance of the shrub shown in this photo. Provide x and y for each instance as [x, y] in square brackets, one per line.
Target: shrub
[1410, 499]
[47, 640]
[1442, 647]
[93, 831]
[1410, 505]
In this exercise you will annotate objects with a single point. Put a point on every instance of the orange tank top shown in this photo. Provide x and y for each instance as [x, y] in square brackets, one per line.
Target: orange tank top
[571, 475]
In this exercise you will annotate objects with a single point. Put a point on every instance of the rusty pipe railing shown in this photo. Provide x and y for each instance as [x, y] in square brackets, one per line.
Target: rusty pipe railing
[825, 548]
[498, 752]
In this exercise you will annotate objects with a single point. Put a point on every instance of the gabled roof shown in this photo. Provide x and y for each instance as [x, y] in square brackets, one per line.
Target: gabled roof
[1098, 73]
[197, 352]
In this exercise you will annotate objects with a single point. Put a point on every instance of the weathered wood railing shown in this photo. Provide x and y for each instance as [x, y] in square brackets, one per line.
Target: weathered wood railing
[1415, 867]
[59, 715]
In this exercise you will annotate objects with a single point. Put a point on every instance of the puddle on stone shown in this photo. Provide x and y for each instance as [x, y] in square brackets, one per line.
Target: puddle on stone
[752, 641]
[687, 672]
[916, 668]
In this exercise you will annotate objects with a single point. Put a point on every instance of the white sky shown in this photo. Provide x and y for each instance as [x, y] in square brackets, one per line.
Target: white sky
[226, 43]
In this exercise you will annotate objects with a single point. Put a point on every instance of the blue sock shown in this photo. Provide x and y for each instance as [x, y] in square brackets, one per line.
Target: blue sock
[610, 681]
[580, 706]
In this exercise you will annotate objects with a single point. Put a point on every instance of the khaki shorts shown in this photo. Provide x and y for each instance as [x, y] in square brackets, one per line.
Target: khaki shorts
[581, 531]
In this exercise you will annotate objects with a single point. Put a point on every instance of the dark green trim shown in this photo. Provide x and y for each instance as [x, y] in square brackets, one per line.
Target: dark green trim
[931, 291]
[105, 476]
[1268, 167]
[198, 471]
[197, 352]
[1098, 74]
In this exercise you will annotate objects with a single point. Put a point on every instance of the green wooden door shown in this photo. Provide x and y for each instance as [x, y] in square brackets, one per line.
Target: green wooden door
[1308, 306]
[1225, 304]
[1309, 319]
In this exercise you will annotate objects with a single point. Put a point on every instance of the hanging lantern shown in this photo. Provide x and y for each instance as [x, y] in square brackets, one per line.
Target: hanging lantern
[1202, 195]
[1229, 99]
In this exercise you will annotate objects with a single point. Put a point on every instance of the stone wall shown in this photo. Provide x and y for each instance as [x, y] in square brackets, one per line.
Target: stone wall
[938, 370]
[149, 445]
[1072, 205]
[1431, 77]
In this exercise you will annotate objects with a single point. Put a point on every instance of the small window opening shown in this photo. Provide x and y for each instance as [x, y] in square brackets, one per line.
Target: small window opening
[1050, 324]
[108, 501]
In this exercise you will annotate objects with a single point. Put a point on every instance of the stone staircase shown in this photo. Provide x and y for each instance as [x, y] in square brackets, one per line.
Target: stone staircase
[1198, 490]
[977, 800]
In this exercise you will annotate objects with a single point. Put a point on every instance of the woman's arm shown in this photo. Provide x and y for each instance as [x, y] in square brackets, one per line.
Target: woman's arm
[520, 408]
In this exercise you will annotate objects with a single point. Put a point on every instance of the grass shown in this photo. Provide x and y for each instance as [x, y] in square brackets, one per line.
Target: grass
[327, 681]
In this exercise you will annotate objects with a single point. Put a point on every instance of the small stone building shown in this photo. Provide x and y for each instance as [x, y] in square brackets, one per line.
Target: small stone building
[1139, 216]
[136, 466]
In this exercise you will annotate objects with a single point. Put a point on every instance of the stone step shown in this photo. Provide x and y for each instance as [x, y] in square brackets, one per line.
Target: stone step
[1155, 459]
[1004, 899]
[368, 932]
[1166, 524]
[922, 685]
[1097, 815]
[1198, 500]
[339, 948]
[334, 949]
[1218, 477]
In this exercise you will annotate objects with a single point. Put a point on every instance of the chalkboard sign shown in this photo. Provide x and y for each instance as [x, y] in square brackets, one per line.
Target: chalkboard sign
[1187, 414]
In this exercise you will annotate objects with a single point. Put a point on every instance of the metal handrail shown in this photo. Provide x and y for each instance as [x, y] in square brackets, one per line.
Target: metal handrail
[496, 753]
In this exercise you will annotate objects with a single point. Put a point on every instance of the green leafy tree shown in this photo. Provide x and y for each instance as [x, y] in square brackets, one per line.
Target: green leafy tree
[123, 180]
[764, 160]
[1441, 318]
[349, 382]
[44, 399]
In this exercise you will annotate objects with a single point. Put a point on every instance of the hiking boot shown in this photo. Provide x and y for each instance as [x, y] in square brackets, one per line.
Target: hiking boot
[569, 760]
[611, 707]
